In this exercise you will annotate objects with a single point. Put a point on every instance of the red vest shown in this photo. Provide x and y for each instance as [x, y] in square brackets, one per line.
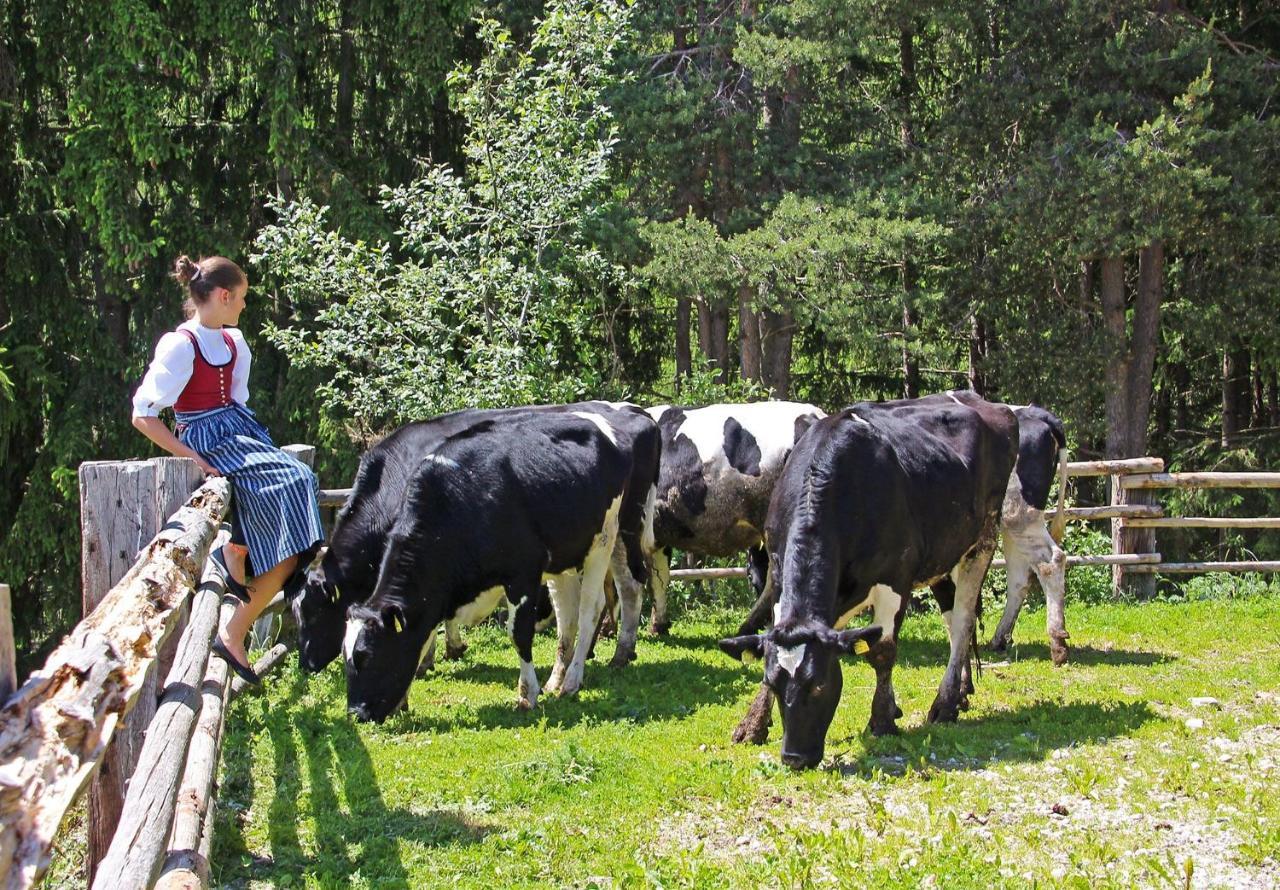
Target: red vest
[210, 385]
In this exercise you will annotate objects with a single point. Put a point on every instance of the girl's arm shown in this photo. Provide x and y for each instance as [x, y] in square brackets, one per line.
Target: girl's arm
[157, 431]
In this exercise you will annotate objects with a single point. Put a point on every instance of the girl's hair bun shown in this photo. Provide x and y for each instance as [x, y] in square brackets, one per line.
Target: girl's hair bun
[184, 270]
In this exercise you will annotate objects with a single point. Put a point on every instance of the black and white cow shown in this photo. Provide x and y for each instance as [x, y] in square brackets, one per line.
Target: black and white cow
[347, 570]
[875, 501]
[719, 467]
[1031, 546]
[500, 505]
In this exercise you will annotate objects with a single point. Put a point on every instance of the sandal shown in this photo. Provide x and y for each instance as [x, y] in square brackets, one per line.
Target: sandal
[246, 673]
[234, 587]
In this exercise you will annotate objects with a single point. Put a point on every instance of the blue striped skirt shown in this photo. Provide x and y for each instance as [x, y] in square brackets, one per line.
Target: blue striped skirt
[274, 496]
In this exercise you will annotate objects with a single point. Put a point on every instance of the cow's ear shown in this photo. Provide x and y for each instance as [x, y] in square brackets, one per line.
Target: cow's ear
[853, 642]
[746, 649]
[393, 618]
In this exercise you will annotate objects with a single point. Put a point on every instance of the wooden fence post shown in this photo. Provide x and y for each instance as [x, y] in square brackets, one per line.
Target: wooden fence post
[1124, 540]
[117, 519]
[8, 653]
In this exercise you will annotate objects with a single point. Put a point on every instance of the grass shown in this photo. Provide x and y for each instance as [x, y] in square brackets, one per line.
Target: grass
[1096, 774]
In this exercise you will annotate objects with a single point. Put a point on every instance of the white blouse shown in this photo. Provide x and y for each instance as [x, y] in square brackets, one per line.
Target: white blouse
[175, 357]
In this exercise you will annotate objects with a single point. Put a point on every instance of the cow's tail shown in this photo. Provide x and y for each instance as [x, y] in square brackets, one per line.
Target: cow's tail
[648, 541]
[1058, 528]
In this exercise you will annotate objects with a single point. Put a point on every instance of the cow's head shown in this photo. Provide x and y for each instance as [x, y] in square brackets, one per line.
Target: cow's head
[319, 608]
[802, 667]
[381, 649]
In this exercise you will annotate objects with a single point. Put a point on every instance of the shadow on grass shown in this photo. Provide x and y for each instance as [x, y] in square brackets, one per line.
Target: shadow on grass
[640, 692]
[1023, 734]
[361, 837]
[1081, 655]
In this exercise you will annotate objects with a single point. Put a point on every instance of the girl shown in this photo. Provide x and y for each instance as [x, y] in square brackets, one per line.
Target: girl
[202, 371]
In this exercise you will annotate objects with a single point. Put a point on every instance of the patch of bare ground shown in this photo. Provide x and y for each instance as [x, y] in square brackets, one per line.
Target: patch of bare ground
[1132, 811]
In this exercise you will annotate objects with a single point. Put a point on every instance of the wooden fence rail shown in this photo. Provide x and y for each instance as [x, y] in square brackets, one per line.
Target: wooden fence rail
[55, 730]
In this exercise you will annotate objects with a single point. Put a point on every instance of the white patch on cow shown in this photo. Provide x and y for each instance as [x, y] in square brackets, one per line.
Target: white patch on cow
[511, 616]
[428, 643]
[441, 461]
[856, 418]
[480, 608]
[352, 636]
[777, 612]
[647, 541]
[771, 424]
[604, 425]
[886, 604]
[861, 607]
[952, 395]
[528, 688]
[789, 658]
[616, 406]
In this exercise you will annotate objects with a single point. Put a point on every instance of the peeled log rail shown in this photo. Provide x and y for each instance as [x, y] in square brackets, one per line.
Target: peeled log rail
[1114, 467]
[138, 845]
[1205, 522]
[186, 863]
[1172, 568]
[1109, 559]
[1202, 480]
[55, 729]
[704, 574]
[1116, 511]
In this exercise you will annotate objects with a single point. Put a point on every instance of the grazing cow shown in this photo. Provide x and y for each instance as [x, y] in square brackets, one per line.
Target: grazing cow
[719, 466]
[348, 568]
[498, 505]
[1031, 549]
[874, 502]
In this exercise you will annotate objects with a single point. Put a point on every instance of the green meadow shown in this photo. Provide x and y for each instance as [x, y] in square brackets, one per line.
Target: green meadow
[1103, 773]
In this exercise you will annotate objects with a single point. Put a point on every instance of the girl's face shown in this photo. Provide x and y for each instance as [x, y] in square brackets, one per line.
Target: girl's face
[232, 303]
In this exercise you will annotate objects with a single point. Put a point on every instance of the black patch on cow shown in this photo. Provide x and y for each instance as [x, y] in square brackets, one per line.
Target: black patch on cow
[741, 448]
[682, 490]
[803, 422]
[1040, 435]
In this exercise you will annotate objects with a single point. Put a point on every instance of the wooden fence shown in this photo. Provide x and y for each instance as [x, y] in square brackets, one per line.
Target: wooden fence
[95, 712]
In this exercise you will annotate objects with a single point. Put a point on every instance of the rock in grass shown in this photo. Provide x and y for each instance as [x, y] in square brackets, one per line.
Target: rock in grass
[1206, 701]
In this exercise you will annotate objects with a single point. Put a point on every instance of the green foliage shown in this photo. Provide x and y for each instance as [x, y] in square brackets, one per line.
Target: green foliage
[491, 295]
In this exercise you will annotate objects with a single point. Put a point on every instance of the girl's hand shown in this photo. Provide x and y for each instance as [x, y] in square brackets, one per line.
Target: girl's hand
[208, 468]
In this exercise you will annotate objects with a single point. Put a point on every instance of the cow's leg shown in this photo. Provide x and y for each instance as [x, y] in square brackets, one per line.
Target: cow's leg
[1018, 561]
[754, 726]
[889, 606]
[428, 660]
[630, 593]
[454, 647]
[591, 596]
[565, 593]
[522, 625]
[967, 577]
[1052, 573]
[944, 592]
[660, 578]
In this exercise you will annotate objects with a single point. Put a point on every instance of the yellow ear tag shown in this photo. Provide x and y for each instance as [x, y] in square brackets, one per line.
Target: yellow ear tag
[860, 647]
[749, 657]
[398, 625]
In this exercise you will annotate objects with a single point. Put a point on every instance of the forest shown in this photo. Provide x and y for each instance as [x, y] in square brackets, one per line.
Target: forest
[449, 203]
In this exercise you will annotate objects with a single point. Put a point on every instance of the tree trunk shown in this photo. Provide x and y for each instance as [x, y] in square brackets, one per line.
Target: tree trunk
[778, 332]
[719, 355]
[907, 135]
[684, 358]
[1273, 398]
[910, 364]
[748, 335]
[1129, 371]
[1235, 392]
[977, 354]
[346, 76]
[1258, 417]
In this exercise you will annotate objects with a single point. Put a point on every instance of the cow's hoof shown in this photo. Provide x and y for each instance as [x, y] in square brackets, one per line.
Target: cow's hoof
[964, 703]
[897, 712]
[1058, 649]
[751, 733]
[883, 727]
[660, 628]
[621, 659]
[943, 712]
[425, 667]
[455, 654]
[999, 645]
[524, 704]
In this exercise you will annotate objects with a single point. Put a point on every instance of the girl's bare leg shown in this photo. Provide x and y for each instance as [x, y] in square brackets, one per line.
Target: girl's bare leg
[261, 589]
